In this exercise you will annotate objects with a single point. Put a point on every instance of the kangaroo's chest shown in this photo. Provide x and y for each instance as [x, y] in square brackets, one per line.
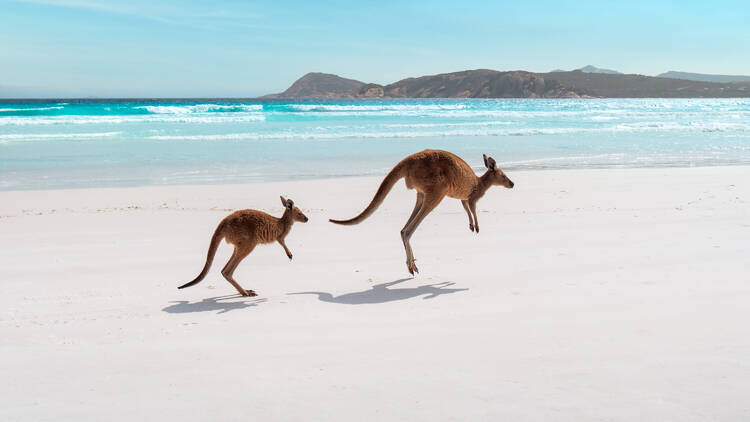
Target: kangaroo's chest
[460, 190]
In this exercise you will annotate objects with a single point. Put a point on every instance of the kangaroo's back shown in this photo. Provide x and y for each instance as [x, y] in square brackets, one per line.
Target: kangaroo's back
[245, 225]
[437, 169]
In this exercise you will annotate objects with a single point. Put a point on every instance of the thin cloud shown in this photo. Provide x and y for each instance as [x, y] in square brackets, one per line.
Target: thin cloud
[100, 7]
[203, 20]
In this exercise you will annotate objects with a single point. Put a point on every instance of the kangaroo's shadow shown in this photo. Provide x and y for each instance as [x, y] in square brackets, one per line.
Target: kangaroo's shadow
[211, 304]
[381, 293]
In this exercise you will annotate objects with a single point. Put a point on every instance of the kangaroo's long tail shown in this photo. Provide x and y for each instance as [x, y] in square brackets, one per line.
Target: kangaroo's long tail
[215, 239]
[394, 176]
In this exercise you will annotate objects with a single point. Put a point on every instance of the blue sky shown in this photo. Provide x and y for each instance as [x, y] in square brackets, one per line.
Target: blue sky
[240, 48]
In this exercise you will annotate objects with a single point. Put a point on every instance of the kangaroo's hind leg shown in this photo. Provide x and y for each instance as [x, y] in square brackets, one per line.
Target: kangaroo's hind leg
[429, 202]
[240, 252]
[417, 206]
[407, 246]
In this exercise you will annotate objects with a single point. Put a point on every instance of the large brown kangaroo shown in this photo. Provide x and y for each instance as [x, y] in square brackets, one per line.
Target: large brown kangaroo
[245, 229]
[435, 174]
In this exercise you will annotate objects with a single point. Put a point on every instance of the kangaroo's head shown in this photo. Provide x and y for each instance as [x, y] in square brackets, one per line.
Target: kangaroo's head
[494, 174]
[294, 212]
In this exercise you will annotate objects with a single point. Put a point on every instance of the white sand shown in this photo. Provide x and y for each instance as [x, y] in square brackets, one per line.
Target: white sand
[588, 295]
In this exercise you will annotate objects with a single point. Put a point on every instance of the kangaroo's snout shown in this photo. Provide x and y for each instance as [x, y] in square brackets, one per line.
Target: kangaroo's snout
[298, 216]
[510, 184]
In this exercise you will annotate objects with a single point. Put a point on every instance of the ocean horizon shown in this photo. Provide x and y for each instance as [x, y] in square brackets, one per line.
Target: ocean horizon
[75, 143]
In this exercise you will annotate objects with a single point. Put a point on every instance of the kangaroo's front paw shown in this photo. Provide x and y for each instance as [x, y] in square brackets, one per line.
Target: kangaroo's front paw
[476, 229]
[250, 293]
[471, 227]
[289, 256]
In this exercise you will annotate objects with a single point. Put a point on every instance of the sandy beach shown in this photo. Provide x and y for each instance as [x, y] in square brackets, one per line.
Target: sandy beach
[618, 295]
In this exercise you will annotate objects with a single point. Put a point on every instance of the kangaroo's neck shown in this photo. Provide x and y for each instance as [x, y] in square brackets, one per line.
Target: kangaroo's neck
[482, 184]
[284, 224]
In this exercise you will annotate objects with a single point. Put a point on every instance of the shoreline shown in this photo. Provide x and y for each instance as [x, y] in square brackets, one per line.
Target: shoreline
[226, 189]
[477, 169]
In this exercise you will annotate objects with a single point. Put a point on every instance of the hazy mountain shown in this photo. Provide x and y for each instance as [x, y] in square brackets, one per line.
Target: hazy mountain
[485, 83]
[594, 69]
[591, 69]
[319, 85]
[704, 77]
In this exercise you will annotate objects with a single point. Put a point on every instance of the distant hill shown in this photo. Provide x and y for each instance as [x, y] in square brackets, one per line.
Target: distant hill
[704, 77]
[640, 86]
[481, 83]
[319, 85]
[485, 83]
[594, 69]
[591, 69]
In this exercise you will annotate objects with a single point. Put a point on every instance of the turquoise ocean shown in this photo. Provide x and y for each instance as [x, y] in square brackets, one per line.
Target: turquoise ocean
[100, 143]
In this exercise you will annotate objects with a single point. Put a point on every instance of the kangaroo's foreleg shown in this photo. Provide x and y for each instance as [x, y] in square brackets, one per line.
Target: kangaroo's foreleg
[465, 203]
[428, 203]
[288, 252]
[240, 252]
[473, 206]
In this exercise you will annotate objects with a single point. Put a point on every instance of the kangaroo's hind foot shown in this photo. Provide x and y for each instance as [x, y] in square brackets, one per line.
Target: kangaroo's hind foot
[411, 266]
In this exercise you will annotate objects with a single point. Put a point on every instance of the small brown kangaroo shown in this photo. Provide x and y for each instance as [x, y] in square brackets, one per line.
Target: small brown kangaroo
[245, 229]
[435, 174]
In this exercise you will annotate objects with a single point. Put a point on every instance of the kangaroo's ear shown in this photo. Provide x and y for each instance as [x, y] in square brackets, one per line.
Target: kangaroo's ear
[489, 162]
[492, 165]
[283, 200]
[289, 203]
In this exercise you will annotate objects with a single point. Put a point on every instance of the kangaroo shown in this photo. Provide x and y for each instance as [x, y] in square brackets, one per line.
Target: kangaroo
[245, 229]
[435, 174]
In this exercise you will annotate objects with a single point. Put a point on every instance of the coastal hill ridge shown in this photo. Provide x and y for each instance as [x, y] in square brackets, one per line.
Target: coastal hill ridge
[704, 77]
[487, 83]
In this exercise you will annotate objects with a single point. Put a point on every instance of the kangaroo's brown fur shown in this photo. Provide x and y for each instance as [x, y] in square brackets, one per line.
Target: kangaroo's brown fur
[246, 229]
[435, 174]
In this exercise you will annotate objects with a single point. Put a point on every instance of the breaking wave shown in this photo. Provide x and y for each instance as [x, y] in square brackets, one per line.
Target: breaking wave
[30, 109]
[201, 108]
[4, 138]
[487, 131]
[149, 118]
